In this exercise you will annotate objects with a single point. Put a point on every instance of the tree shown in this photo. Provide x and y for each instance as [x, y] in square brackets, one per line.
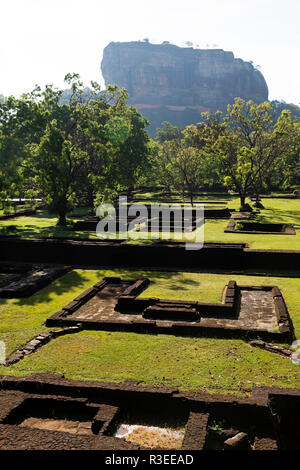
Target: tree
[56, 165]
[116, 143]
[288, 175]
[203, 137]
[247, 149]
[168, 132]
[20, 124]
[133, 151]
[250, 146]
[99, 132]
[183, 168]
[95, 143]
[205, 133]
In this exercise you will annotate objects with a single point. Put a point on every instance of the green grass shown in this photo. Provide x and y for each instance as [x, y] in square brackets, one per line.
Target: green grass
[189, 363]
[276, 211]
[42, 225]
[211, 364]
[14, 209]
[22, 319]
[158, 197]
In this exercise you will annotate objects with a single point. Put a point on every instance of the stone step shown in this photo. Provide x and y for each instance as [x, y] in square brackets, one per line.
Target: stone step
[167, 311]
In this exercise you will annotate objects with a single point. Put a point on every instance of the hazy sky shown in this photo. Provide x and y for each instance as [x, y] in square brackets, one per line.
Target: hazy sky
[42, 40]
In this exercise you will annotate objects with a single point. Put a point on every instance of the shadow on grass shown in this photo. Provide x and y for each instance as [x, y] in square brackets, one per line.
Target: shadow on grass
[178, 285]
[36, 226]
[34, 231]
[280, 216]
[74, 280]
[159, 198]
[183, 284]
[67, 283]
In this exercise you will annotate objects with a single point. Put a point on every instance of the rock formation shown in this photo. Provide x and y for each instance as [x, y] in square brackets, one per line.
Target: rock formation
[170, 83]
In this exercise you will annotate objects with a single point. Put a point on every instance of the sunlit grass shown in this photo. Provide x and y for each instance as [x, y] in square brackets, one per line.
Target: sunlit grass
[190, 363]
[276, 211]
[215, 365]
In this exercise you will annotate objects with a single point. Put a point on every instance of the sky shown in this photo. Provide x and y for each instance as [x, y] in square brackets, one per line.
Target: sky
[43, 40]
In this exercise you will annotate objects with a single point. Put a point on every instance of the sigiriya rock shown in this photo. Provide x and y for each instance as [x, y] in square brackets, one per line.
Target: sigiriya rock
[170, 83]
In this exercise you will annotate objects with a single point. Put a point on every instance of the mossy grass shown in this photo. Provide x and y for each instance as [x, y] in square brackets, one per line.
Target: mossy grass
[212, 364]
[215, 365]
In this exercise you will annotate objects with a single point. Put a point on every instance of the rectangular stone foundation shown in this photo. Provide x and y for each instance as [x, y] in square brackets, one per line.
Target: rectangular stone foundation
[113, 304]
[31, 409]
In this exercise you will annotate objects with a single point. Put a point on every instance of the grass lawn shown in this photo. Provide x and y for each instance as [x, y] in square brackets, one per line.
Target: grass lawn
[214, 365]
[189, 363]
[276, 211]
[43, 225]
[15, 209]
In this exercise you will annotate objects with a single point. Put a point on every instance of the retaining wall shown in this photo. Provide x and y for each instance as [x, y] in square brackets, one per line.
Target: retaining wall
[167, 255]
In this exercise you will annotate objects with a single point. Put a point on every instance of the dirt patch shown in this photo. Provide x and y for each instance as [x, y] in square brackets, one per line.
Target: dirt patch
[151, 437]
[62, 425]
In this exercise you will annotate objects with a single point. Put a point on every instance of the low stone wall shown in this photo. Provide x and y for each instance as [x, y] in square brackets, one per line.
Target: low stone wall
[163, 316]
[34, 279]
[169, 255]
[154, 308]
[40, 340]
[118, 253]
[262, 229]
[283, 318]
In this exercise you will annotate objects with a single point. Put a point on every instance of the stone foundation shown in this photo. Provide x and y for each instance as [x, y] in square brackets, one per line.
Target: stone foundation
[46, 412]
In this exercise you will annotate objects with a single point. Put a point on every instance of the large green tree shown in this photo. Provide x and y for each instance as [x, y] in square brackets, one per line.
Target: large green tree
[92, 143]
[183, 169]
[247, 145]
[56, 165]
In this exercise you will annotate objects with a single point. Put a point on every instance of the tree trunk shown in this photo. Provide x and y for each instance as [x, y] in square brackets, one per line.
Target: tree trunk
[242, 199]
[91, 201]
[258, 203]
[257, 197]
[130, 193]
[62, 221]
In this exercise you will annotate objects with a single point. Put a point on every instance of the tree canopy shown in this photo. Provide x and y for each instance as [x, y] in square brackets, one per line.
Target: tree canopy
[92, 144]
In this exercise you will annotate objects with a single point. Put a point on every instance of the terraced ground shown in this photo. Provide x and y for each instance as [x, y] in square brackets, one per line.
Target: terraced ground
[277, 210]
[209, 364]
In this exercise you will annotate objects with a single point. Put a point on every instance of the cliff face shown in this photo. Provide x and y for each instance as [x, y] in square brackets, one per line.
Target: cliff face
[166, 82]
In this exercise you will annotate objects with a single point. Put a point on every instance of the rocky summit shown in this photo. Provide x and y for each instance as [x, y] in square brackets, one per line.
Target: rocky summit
[177, 84]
